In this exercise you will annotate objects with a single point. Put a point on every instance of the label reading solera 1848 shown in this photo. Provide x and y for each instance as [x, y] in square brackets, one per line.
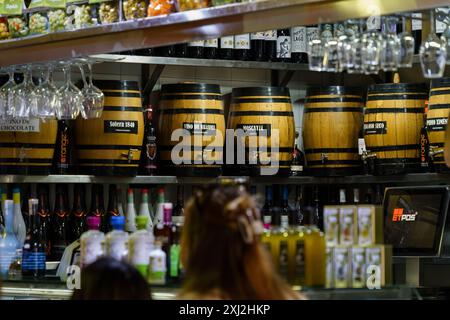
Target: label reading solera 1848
[375, 127]
[120, 126]
[255, 129]
[437, 124]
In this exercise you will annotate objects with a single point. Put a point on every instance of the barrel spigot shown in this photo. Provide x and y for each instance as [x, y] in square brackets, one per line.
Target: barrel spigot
[366, 155]
[129, 155]
[324, 157]
[434, 151]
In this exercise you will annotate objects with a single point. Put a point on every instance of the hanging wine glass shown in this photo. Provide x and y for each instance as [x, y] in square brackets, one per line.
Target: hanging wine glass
[6, 104]
[445, 37]
[355, 65]
[316, 52]
[71, 97]
[433, 53]
[344, 49]
[390, 45]
[93, 97]
[406, 53]
[371, 51]
[22, 95]
[330, 57]
[43, 104]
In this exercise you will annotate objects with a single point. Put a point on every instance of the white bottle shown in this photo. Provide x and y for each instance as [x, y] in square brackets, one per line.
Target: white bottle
[119, 202]
[159, 215]
[144, 210]
[130, 225]
[20, 229]
[157, 268]
[91, 242]
[140, 246]
[117, 239]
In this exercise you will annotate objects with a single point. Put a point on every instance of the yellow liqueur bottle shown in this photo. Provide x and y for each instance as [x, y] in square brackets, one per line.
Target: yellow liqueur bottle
[315, 257]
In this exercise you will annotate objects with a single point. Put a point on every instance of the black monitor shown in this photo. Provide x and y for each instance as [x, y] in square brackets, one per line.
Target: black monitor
[414, 219]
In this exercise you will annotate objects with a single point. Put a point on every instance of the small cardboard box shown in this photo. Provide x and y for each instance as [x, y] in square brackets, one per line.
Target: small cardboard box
[370, 225]
[348, 231]
[358, 257]
[329, 267]
[342, 272]
[378, 266]
[331, 224]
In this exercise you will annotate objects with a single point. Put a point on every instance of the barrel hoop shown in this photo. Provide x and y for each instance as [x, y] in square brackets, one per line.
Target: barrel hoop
[262, 113]
[438, 144]
[261, 100]
[394, 148]
[397, 160]
[341, 99]
[190, 87]
[331, 150]
[26, 145]
[394, 110]
[268, 149]
[319, 162]
[26, 160]
[122, 94]
[404, 96]
[437, 92]
[127, 109]
[190, 97]
[107, 161]
[334, 109]
[438, 159]
[116, 85]
[106, 147]
[192, 148]
[164, 111]
[439, 106]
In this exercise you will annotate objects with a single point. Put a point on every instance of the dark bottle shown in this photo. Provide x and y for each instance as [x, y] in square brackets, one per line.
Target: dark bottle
[166, 51]
[258, 45]
[113, 206]
[284, 45]
[175, 269]
[286, 215]
[424, 148]
[45, 217]
[227, 48]
[181, 50]
[63, 159]
[298, 214]
[178, 210]
[266, 211]
[299, 45]
[98, 206]
[59, 238]
[77, 221]
[211, 48]
[356, 198]
[298, 159]
[24, 206]
[270, 43]
[196, 49]
[368, 196]
[416, 30]
[317, 216]
[379, 193]
[242, 47]
[148, 162]
[33, 252]
[342, 196]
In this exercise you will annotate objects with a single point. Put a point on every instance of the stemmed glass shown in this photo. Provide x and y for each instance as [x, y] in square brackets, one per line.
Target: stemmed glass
[344, 47]
[446, 37]
[390, 46]
[406, 55]
[316, 52]
[355, 64]
[371, 51]
[6, 102]
[331, 57]
[45, 98]
[22, 94]
[93, 97]
[71, 97]
[433, 53]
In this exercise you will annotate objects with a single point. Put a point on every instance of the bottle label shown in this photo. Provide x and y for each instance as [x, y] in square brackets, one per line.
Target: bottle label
[212, 43]
[440, 25]
[174, 260]
[140, 253]
[157, 269]
[374, 23]
[33, 260]
[118, 249]
[300, 259]
[437, 124]
[416, 23]
[242, 41]
[270, 35]
[178, 220]
[326, 31]
[311, 33]
[267, 220]
[257, 36]
[91, 250]
[297, 168]
[150, 150]
[120, 126]
[200, 43]
[284, 47]
[375, 127]
[283, 258]
[284, 221]
[64, 150]
[299, 39]
[227, 42]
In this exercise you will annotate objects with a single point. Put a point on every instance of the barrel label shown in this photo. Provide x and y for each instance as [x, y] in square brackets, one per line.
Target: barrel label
[437, 124]
[200, 128]
[255, 129]
[375, 127]
[120, 126]
[20, 125]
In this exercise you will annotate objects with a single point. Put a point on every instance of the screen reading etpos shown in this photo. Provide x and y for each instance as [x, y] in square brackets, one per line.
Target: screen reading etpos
[414, 219]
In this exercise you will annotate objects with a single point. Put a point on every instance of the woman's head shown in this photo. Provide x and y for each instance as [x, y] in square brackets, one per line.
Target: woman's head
[221, 248]
[110, 279]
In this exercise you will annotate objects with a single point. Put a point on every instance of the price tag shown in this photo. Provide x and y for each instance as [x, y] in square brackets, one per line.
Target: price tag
[361, 146]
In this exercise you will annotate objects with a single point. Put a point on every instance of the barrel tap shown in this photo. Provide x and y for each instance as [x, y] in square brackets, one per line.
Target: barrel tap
[434, 151]
[366, 155]
[324, 157]
[129, 154]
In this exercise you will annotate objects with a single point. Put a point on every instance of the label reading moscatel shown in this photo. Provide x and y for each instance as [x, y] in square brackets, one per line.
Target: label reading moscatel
[200, 128]
[375, 127]
[437, 124]
[255, 129]
[20, 125]
[120, 126]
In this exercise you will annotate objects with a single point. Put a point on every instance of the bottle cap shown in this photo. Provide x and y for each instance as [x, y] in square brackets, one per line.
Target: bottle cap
[161, 190]
[144, 191]
[93, 222]
[117, 222]
[130, 191]
[141, 222]
[16, 190]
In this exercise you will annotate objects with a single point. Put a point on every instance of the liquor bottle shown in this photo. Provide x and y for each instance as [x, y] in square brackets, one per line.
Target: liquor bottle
[342, 196]
[270, 44]
[63, 158]
[416, 30]
[315, 257]
[227, 48]
[24, 207]
[59, 237]
[119, 202]
[33, 252]
[91, 242]
[140, 245]
[175, 269]
[8, 244]
[296, 252]
[286, 216]
[196, 49]
[424, 147]
[178, 210]
[279, 242]
[317, 216]
[77, 220]
[298, 214]
[20, 229]
[157, 266]
[299, 44]
[97, 205]
[117, 239]
[159, 214]
[258, 44]
[144, 209]
[284, 45]
[45, 217]
[378, 200]
[113, 207]
[440, 25]
[148, 162]
[163, 230]
[242, 47]
[298, 158]
[181, 50]
[130, 225]
[211, 48]
[356, 198]
[266, 211]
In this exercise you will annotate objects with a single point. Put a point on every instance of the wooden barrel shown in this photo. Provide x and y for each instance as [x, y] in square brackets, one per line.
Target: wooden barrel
[111, 144]
[197, 110]
[437, 117]
[332, 121]
[31, 152]
[253, 110]
[393, 118]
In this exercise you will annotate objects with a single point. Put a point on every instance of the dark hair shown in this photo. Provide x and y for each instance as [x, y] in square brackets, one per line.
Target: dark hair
[110, 279]
[219, 254]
